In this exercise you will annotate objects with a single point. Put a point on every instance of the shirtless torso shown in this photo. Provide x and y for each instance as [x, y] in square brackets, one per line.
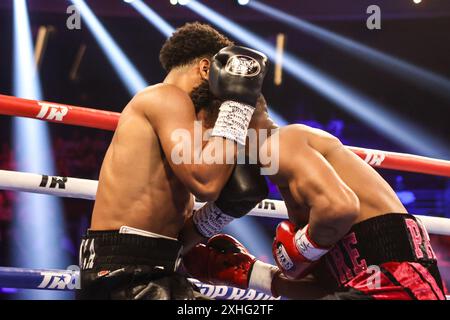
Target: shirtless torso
[308, 154]
[139, 185]
[322, 183]
[354, 219]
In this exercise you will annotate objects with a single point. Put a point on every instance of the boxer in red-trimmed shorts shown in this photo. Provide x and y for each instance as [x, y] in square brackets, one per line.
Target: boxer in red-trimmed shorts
[348, 235]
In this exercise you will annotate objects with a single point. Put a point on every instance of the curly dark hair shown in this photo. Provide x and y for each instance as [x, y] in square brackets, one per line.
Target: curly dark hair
[189, 42]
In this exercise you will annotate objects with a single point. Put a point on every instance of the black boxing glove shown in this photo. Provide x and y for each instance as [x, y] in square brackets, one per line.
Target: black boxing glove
[236, 76]
[243, 191]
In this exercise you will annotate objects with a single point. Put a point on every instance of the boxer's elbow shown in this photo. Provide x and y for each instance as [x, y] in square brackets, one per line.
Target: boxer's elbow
[332, 220]
[207, 196]
[338, 210]
[204, 186]
[206, 191]
[342, 210]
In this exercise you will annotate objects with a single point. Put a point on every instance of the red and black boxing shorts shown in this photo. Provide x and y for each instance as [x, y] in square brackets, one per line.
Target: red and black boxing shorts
[388, 257]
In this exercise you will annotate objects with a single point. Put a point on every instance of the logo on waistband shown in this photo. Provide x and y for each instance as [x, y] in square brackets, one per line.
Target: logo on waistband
[87, 254]
[103, 273]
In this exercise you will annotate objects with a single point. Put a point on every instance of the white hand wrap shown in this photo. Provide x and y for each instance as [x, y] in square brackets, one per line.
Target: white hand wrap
[232, 121]
[307, 247]
[210, 220]
[262, 276]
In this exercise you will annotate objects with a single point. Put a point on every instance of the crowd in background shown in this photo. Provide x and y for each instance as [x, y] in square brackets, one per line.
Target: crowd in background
[78, 155]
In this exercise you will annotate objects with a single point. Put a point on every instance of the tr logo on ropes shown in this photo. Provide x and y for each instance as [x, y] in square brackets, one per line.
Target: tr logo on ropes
[375, 159]
[61, 281]
[55, 182]
[51, 111]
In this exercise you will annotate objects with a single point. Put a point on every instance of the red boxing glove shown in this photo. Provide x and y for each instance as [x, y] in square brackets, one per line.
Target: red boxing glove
[294, 251]
[225, 261]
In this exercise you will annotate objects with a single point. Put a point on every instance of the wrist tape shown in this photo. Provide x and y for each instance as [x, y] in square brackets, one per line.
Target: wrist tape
[307, 247]
[232, 121]
[262, 276]
[210, 220]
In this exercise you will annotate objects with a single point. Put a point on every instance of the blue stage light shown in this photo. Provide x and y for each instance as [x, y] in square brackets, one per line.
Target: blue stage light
[375, 115]
[243, 2]
[151, 16]
[249, 231]
[127, 72]
[406, 197]
[38, 219]
[407, 71]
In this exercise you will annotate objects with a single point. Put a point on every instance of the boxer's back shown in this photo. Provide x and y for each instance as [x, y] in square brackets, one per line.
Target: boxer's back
[375, 195]
[137, 188]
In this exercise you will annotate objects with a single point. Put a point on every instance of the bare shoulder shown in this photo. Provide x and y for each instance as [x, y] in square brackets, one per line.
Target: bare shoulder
[318, 139]
[295, 132]
[162, 97]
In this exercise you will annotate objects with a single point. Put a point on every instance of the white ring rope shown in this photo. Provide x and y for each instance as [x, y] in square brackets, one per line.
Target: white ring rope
[86, 189]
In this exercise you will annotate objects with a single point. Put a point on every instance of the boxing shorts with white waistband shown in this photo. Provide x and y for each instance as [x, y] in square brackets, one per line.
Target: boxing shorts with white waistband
[387, 257]
[131, 264]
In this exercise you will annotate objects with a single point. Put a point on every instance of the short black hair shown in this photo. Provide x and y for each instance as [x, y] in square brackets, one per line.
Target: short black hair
[189, 42]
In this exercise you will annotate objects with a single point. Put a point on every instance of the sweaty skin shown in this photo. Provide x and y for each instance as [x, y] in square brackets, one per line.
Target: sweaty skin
[136, 185]
[139, 186]
[323, 184]
[317, 171]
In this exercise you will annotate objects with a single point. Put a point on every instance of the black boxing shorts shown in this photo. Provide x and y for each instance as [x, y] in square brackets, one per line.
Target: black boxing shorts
[130, 264]
[388, 257]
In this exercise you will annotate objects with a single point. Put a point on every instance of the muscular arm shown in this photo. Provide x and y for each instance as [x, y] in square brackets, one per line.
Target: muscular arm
[172, 115]
[333, 205]
[298, 212]
[242, 192]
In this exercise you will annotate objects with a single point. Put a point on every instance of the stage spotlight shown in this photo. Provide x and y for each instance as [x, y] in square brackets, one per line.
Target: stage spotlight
[38, 222]
[245, 229]
[183, 2]
[277, 118]
[166, 29]
[375, 115]
[243, 2]
[417, 1]
[127, 72]
[278, 74]
[75, 69]
[151, 16]
[174, 2]
[41, 44]
[402, 69]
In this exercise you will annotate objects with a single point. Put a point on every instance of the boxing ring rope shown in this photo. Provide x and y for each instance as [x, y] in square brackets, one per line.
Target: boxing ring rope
[49, 279]
[99, 119]
[68, 280]
[86, 189]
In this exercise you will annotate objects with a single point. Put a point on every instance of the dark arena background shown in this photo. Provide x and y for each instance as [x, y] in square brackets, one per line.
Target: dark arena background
[375, 73]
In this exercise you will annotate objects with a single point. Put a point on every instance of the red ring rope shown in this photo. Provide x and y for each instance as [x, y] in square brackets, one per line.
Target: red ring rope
[93, 118]
[58, 112]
